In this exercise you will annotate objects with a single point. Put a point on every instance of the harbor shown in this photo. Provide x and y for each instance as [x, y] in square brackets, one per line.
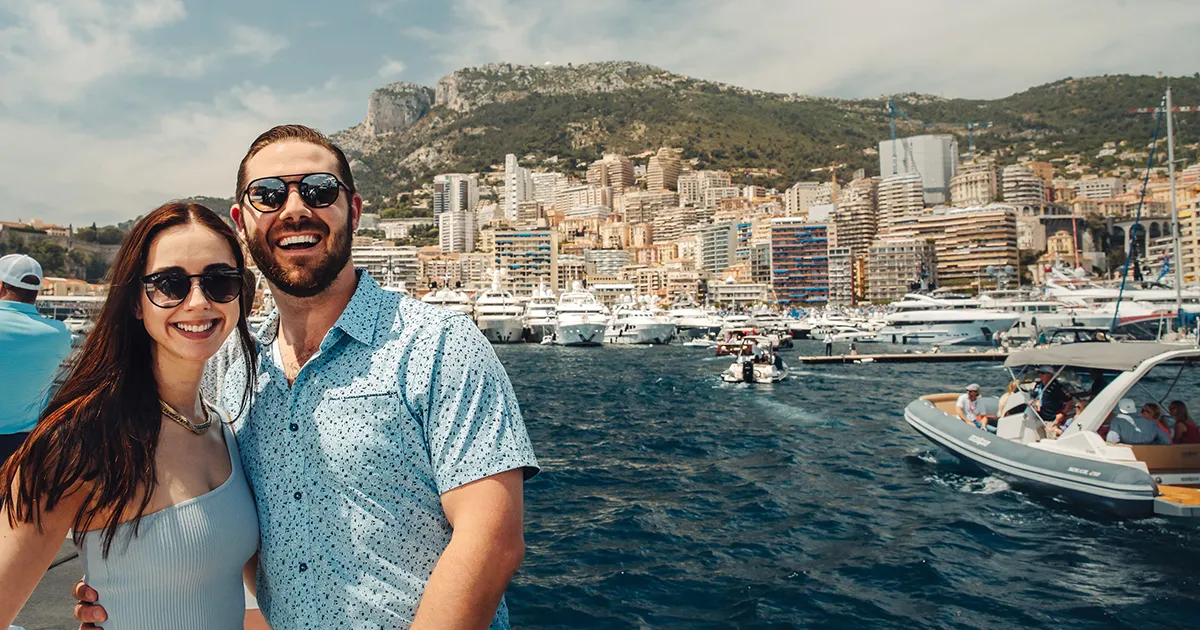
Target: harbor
[910, 357]
[672, 499]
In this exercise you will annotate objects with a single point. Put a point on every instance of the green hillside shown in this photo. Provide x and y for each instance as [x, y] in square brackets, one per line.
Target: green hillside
[728, 128]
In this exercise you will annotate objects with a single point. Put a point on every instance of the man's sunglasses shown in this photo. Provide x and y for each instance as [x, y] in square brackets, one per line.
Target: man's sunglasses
[168, 289]
[318, 190]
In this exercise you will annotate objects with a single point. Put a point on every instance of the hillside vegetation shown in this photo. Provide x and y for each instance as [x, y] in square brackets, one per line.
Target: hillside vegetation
[489, 114]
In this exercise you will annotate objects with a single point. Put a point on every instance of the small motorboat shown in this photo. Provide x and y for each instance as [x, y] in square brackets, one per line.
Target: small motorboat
[757, 361]
[1127, 480]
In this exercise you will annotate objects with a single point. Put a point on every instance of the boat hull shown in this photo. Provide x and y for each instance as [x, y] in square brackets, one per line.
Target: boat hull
[764, 374]
[502, 329]
[977, 333]
[582, 334]
[645, 334]
[1102, 486]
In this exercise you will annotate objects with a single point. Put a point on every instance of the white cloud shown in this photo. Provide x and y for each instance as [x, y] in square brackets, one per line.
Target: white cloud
[73, 175]
[866, 48]
[391, 68]
[56, 50]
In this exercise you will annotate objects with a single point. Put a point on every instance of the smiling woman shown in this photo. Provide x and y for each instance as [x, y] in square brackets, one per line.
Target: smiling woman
[123, 457]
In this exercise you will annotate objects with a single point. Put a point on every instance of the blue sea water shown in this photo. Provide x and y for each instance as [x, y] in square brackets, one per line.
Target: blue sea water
[669, 499]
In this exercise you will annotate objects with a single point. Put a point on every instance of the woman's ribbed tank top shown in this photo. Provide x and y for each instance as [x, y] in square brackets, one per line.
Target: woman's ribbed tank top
[183, 570]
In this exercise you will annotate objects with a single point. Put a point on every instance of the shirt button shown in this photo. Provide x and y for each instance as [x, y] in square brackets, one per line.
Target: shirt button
[294, 427]
[303, 567]
[297, 495]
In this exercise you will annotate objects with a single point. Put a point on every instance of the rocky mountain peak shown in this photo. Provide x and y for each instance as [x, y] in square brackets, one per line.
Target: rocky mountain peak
[396, 106]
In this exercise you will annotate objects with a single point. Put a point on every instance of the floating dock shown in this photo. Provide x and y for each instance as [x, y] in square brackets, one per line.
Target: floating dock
[912, 357]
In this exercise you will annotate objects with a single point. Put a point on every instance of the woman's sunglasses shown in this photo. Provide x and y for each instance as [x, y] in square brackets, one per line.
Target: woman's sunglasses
[318, 190]
[168, 289]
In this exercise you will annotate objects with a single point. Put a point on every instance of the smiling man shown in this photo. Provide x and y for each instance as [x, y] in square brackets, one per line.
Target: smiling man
[384, 444]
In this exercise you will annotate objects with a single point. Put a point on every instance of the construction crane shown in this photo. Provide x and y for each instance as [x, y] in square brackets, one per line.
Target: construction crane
[832, 168]
[892, 111]
[971, 126]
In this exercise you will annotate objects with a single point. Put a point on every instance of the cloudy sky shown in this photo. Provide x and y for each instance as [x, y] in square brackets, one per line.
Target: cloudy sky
[110, 107]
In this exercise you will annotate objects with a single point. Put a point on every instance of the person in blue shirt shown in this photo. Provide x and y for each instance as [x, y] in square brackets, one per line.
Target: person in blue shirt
[32, 348]
[384, 443]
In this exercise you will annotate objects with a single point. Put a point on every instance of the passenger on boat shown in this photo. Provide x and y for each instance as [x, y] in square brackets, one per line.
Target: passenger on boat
[1049, 398]
[1186, 431]
[967, 409]
[1143, 428]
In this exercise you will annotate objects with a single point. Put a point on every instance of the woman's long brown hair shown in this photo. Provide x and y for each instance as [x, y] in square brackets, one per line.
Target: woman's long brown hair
[100, 431]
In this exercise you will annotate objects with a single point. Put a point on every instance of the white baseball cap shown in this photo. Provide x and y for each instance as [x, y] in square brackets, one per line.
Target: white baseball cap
[1127, 406]
[14, 268]
[973, 387]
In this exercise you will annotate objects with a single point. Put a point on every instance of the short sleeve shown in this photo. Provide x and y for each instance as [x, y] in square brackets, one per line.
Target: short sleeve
[473, 424]
[960, 403]
[1114, 431]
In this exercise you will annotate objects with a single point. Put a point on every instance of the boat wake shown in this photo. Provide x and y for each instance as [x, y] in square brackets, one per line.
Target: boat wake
[971, 485]
[844, 377]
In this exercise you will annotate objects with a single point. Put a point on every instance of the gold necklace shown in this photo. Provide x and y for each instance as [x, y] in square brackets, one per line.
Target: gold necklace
[179, 418]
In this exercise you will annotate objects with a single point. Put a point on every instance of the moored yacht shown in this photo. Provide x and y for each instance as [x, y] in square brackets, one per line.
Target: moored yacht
[638, 324]
[540, 315]
[499, 315]
[940, 321]
[691, 321]
[448, 298]
[580, 320]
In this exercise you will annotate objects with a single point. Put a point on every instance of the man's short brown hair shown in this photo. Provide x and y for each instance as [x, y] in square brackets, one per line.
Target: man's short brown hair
[297, 133]
[28, 296]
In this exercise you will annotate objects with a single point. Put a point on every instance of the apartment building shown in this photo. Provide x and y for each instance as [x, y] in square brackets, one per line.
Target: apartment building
[456, 231]
[857, 215]
[715, 247]
[969, 240]
[526, 258]
[933, 158]
[455, 191]
[643, 206]
[841, 276]
[606, 261]
[547, 185]
[1099, 187]
[583, 195]
[1022, 186]
[976, 184]
[799, 261]
[389, 264]
[900, 197]
[662, 173]
[518, 186]
[895, 265]
[613, 170]
[738, 295]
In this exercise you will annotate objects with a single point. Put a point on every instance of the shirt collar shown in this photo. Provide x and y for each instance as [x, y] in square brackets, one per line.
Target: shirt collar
[357, 320]
[19, 307]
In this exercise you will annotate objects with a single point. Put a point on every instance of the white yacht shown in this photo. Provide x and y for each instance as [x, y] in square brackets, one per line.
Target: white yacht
[692, 322]
[448, 298]
[540, 315]
[499, 315]
[950, 320]
[580, 320]
[638, 324]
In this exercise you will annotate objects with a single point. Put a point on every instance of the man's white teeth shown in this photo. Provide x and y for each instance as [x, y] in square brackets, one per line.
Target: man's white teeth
[196, 328]
[305, 239]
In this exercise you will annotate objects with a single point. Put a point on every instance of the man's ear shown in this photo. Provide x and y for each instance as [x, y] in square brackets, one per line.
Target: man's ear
[239, 220]
[356, 206]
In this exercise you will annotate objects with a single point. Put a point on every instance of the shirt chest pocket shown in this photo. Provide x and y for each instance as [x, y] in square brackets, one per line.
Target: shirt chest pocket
[361, 432]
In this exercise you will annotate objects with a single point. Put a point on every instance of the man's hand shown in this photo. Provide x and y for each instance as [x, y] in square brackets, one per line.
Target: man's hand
[87, 611]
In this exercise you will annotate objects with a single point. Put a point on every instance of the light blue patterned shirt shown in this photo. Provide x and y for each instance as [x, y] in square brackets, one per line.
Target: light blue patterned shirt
[402, 402]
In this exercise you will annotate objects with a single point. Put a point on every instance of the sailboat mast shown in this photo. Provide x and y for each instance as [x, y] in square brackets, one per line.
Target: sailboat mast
[1174, 210]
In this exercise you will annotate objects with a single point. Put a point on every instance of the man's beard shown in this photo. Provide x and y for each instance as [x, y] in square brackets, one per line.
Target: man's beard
[309, 280]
